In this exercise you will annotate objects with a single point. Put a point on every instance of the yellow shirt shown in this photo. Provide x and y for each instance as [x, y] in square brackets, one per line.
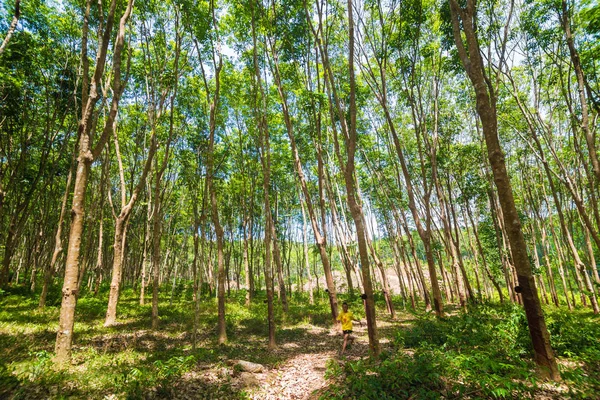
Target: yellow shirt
[346, 319]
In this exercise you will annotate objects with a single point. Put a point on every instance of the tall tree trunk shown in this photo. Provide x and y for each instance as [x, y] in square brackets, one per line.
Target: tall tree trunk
[159, 170]
[319, 235]
[145, 255]
[50, 269]
[356, 209]
[306, 255]
[265, 158]
[219, 233]
[87, 154]
[464, 21]
[121, 225]
[585, 123]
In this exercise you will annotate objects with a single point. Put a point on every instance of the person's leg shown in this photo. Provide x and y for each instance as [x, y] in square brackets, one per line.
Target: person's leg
[345, 343]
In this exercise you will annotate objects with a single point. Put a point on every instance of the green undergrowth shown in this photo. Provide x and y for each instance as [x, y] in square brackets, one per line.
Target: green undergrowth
[485, 353]
[130, 360]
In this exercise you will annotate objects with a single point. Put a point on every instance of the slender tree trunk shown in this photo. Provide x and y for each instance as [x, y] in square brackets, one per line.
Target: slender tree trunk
[352, 194]
[50, 269]
[87, 154]
[279, 266]
[585, 124]
[306, 255]
[561, 270]
[319, 235]
[265, 158]
[145, 256]
[12, 27]
[591, 256]
[387, 294]
[470, 56]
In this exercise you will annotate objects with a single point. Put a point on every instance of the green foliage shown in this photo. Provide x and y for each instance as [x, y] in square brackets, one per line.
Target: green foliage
[403, 376]
[485, 353]
[576, 336]
[135, 382]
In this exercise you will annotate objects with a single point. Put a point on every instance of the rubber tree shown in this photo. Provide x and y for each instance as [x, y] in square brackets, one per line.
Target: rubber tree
[88, 152]
[464, 23]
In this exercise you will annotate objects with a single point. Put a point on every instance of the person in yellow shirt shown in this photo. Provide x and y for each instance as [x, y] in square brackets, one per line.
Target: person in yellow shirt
[346, 317]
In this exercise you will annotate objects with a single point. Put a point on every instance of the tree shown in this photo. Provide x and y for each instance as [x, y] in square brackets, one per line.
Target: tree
[88, 152]
[464, 21]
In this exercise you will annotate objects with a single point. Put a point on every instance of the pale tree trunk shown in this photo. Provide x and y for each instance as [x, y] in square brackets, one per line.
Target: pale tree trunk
[145, 256]
[581, 83]
[319, 235]
[265, 158]
[122, 221]
[50, 269]
[12, 27]
[306, 255]
[279, 265]
[464, 21]
[159, 170]
[87, 154]
[215, 213]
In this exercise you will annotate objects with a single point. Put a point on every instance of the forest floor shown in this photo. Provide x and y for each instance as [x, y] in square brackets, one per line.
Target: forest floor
[422, 357]
[129, 360]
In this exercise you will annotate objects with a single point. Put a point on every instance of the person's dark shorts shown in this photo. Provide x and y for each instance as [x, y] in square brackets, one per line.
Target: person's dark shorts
[347, 332]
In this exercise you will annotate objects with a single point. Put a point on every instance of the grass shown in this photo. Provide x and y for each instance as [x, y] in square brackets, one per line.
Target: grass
[485, 353]
[130, 360]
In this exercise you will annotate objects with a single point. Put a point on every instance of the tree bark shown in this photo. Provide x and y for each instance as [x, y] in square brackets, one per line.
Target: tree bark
[121, 225]
[464, 21]
[87, 154]
[585, 124]
[265, 158]
[12, 27]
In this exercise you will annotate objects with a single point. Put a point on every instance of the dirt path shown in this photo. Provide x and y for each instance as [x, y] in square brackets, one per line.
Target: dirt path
[302, 376]
[296, 379]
